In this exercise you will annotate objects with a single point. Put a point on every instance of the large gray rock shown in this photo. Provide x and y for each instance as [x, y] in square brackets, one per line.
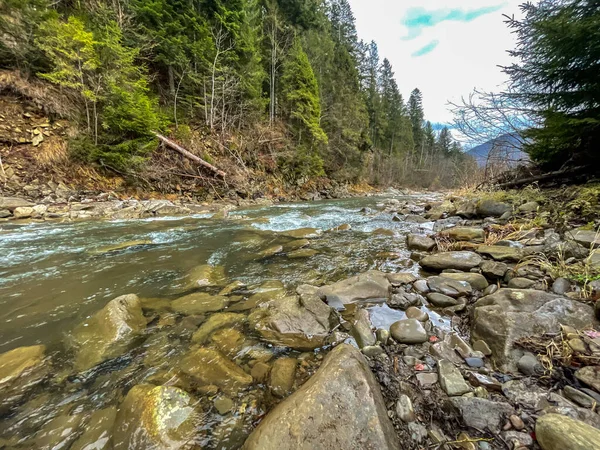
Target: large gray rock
[508, 315]
[492, 208]
[482, 414]
[451, 260]
[109, 333]
[369, 286]
[340, 406]
[155, 417]
[299, 322]
[558, 432]
[21, 369]
[12, 203]
[588, 238]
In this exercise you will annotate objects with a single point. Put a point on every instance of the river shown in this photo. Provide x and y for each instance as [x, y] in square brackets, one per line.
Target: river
[55, 275]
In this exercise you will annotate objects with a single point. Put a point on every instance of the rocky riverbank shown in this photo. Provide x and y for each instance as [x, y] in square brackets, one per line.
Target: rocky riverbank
[488, 339]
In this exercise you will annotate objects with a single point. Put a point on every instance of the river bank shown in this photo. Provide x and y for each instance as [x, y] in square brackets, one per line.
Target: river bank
[384, 322]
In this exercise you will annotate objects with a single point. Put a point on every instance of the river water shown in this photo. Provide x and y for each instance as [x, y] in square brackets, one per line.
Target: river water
[54, 276]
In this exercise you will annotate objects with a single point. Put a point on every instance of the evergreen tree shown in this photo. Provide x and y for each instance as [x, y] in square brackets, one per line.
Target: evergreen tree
[429, 136]
[302, 107]
[396, 130]
[558, 45]
[444, 141]
[415, 111]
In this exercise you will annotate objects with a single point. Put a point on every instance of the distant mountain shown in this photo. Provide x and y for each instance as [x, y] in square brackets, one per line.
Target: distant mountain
[504, 150]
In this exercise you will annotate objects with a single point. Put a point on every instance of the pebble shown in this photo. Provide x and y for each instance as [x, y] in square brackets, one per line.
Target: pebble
[474, 362]
[421, 286]
[223, 405]
[404, 409]
[382, 335]
[516, 422]
[561, 286]
[579, 397]
[491, 289]
[427, 379]
[481, 392]
[529, 365]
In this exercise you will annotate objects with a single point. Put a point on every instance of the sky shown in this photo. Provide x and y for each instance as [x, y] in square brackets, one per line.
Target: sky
[445, 48]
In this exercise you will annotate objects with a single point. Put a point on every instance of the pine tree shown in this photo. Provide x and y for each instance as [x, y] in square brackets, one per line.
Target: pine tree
[429, 136]
[558, 45]
[415, 111]
[444, 141]
[396, 131]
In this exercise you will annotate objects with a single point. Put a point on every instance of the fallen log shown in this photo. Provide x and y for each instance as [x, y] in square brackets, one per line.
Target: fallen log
[559, 174]
[178, 148]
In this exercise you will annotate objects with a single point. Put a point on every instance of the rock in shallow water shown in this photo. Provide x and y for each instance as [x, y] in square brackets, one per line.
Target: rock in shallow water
[210, 367]
[557, 432]
[283, 372]
[419, 242]
[108, 333]
[199, 303]
[21, 370]
[371, 285]
[98, 431]
[341, 402]
[155, 417]
[300, 323]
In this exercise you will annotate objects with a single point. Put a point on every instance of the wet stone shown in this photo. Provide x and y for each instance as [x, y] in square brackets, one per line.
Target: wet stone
[409, 331]
[419, 242]
[199, 303]
[215, 322]
[382, 335]
[206, 275]
[474, 362]
[579, 397]
[98, 431]
[481, 346]
[421, 286]
[282, 376]
[449, 286]
[482, 414]
[372, 351]
[415, 313]
[260, 371]
[157, 417]
[223, 405]
[461, 260]
[58, 433]
[475, 280]
[558, 432]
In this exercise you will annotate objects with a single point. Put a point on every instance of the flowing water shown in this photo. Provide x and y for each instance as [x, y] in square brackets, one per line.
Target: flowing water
[54, 276]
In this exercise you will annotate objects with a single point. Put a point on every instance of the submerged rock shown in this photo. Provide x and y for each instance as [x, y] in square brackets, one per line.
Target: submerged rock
[210, 367]
[155, 417]
[557, 432]
[215, 322]
[206, 275]
[199, 303]
[341, 402]
[98, 431]
[302, 323]
[510, 314]
[282, 376]
[451, 260]
[109, 333]
[122, 246]
[21, 370]
[303, 233]
[369, 286]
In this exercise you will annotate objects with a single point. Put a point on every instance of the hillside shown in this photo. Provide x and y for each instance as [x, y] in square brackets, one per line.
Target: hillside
[504, 150]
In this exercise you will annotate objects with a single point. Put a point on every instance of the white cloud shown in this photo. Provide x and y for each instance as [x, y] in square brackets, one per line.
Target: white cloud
[467, 56]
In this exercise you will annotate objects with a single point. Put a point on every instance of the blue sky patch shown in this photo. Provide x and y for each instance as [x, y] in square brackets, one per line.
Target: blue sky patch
[426, 49]
[416, 19]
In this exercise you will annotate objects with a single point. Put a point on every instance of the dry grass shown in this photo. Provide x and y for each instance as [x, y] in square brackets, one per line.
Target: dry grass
[51, 153]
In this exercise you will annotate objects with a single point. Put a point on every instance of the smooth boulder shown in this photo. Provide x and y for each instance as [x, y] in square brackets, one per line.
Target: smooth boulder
[508, 315]
[419, 242]
[340, 406]
[475, 280]
[155, 417]
[109, 333]
[408, 331]
[464, 234]
[462, 260]
[199, 303]
[492, 208]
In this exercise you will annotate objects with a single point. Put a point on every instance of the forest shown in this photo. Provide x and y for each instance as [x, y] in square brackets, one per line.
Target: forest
[282, 87]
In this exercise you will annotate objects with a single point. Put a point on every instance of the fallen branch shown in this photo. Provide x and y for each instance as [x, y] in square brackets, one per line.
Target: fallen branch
[169, 143]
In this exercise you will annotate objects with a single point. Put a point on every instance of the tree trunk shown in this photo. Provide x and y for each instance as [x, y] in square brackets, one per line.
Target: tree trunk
[169, 143]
